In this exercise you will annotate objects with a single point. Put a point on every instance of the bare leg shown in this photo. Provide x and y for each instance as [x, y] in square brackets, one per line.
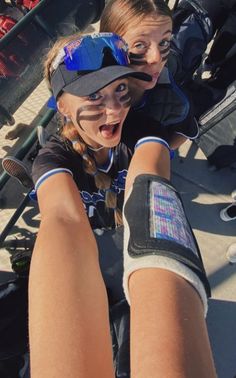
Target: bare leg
[168, 331]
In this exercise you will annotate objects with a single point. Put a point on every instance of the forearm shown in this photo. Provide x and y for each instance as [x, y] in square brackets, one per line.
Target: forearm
[150, 158]
[68, 312]
[172, 341]
[173, 335]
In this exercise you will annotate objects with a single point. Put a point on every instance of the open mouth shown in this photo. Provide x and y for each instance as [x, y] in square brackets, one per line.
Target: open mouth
[109, 130]
[155, 76]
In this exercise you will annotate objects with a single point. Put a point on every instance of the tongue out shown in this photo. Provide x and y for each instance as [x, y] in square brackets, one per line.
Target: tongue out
[107, 131]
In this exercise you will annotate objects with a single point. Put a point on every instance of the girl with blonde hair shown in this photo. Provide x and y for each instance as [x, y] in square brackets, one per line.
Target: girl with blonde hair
[80, 177]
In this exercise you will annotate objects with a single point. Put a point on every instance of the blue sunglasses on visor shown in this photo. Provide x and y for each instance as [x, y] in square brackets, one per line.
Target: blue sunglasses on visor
[87, 53]
[91, 62]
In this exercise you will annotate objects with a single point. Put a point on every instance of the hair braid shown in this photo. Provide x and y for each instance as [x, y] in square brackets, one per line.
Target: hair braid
[102, 180]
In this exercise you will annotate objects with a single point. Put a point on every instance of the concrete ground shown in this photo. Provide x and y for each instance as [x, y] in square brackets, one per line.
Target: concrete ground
[204, 192]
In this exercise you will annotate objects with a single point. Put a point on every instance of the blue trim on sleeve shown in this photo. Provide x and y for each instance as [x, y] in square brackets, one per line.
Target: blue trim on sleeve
[48, 174]
[155, 140]
[151, 139]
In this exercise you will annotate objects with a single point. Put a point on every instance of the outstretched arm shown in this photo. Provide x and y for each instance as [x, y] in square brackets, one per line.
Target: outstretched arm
[68, 310]
[168, 331]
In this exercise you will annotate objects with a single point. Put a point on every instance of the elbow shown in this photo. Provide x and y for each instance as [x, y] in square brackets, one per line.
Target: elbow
[65, 218]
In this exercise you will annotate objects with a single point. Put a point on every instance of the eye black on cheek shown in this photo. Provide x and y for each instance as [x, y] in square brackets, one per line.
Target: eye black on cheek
[126, 100]
[164, 54]
[165, 50]
[137, 59]
[97, 109]
[136, 56]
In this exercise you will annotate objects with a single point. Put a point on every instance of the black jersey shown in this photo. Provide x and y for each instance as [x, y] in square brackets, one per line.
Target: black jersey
[167, 104]
[58, 155]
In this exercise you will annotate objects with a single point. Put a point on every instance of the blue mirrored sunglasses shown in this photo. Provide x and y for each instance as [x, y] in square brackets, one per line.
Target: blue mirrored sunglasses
[87, 53]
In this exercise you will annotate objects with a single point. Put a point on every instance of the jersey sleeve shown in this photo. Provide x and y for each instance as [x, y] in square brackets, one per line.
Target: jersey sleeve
[51, 159]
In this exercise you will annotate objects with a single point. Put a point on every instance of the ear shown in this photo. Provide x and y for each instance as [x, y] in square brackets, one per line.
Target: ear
[62, 107]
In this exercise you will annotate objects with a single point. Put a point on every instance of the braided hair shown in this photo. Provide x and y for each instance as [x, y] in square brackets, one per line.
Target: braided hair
[68, 131]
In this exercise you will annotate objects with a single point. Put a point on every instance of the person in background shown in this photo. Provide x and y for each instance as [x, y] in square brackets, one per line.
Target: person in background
[203, 50]
[223, 48]
[146, 25]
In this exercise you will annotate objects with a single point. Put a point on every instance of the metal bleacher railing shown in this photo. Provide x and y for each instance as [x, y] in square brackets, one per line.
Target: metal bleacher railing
[28, 143]
[48, 18]
[5, 41]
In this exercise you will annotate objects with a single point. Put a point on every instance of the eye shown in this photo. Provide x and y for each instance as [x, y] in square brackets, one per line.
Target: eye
[94, 96]
[122, 87]
[139, 46]
[164, 43]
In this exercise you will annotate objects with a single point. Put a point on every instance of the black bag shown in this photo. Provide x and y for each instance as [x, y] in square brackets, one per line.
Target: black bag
[217, 137]
[14, 358]
[192, 31]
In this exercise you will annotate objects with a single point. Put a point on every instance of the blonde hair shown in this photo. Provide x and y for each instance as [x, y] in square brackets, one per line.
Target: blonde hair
[69, 131]
[117, 14]
[53, 53]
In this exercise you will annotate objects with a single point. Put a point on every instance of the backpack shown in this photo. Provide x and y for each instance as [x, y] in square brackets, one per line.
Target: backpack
[192, 31]
[14, 357]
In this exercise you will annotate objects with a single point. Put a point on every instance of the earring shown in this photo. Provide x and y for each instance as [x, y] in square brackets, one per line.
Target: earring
[67, 119]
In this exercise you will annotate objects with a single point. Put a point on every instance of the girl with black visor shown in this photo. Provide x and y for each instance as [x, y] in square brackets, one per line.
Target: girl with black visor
[82, 177]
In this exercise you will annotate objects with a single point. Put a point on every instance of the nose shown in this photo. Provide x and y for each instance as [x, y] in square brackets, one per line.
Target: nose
[153, 55]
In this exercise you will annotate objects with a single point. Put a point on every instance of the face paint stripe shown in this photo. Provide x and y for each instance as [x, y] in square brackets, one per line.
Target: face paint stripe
[125, 100]
[91, 108]
[165, 56]
[136, 56]
[95, 117]
[165, 50]
[138, 62]
[92, 117]
[126, 97]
